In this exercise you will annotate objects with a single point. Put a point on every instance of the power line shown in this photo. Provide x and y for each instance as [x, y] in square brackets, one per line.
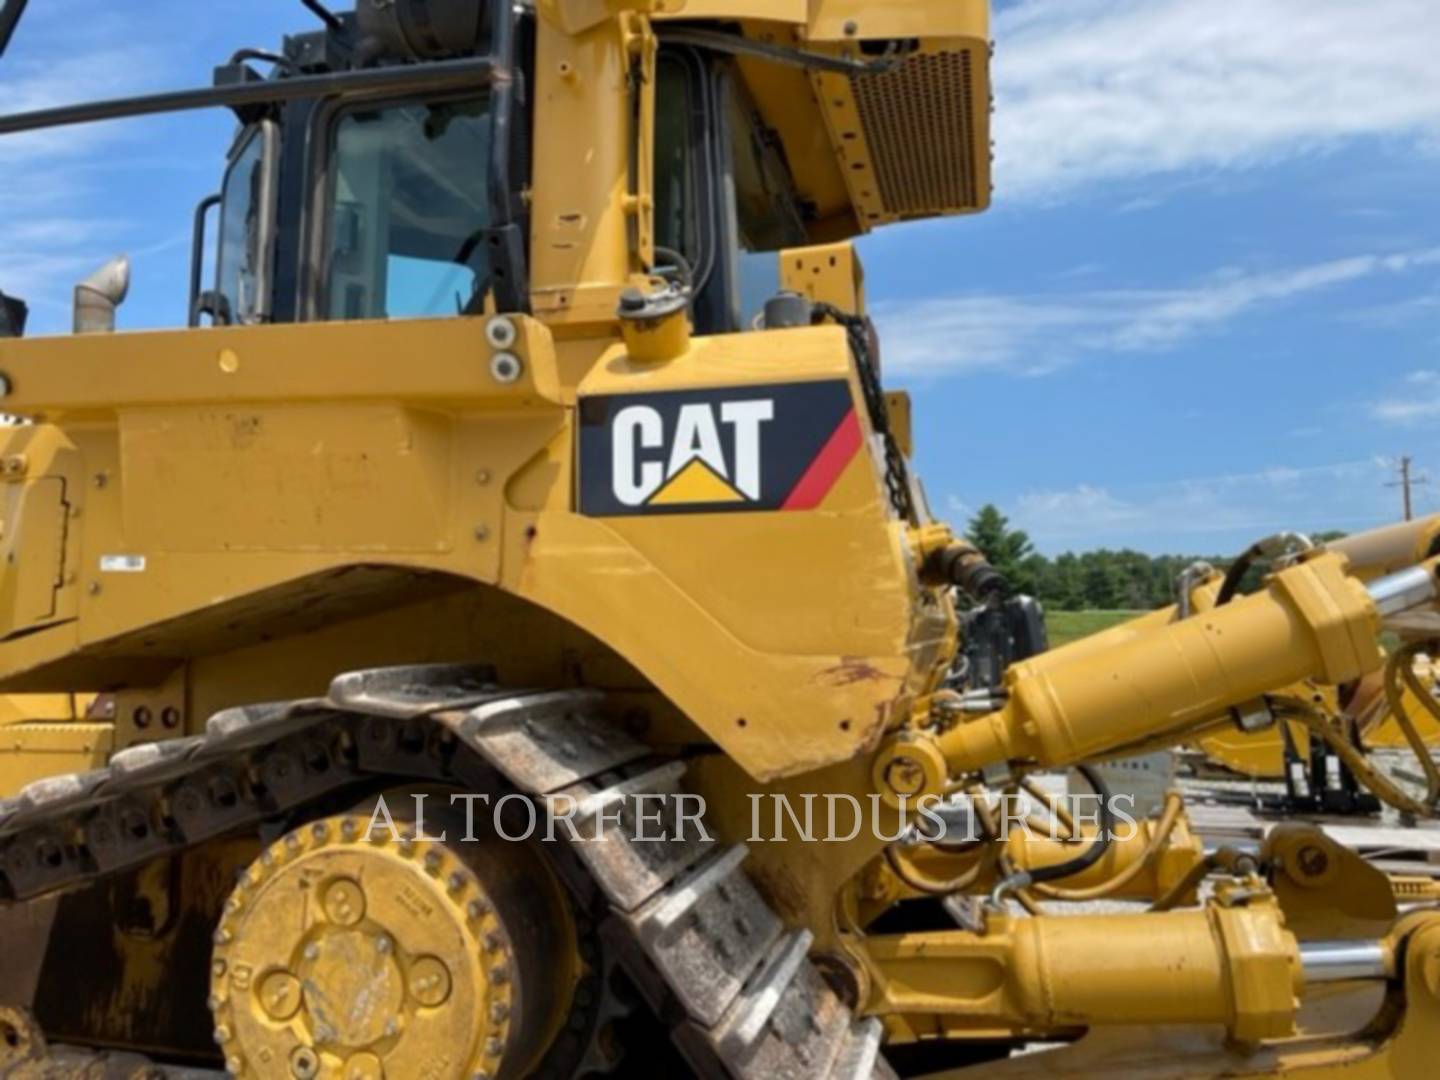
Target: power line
[1407, 482]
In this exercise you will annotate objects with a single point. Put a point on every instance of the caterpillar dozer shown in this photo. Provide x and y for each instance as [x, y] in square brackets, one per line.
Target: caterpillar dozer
[528, 448]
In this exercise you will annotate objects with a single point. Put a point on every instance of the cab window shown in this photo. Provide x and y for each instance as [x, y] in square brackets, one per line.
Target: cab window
[723, 193]
[247, 226]
[767, 210]
[409, 211]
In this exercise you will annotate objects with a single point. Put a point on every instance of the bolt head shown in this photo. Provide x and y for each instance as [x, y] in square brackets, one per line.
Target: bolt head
[430, 982]
[501, 333]
[906, 776]
[304, 1063]
[1312, 861]
[506, 368]
[280, 995]
[344, 903]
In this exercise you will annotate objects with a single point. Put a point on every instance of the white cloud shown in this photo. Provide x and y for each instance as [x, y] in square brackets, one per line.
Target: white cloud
[1344, 496]
[60, 223]
[1038, 333]
[1097, 90]
[1415, 403]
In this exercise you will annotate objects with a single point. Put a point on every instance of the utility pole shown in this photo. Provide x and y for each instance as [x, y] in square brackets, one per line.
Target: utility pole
[1407, 482]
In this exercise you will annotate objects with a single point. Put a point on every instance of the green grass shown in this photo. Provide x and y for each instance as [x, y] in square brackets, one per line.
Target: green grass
[1068, 626]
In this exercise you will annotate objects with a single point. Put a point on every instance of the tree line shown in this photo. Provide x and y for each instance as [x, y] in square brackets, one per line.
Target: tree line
[1102, 580]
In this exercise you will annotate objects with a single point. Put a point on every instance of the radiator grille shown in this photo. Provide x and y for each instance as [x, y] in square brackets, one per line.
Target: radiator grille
[921, 125]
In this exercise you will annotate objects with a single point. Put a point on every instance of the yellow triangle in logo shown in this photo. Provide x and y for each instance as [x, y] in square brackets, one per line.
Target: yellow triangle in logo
[696, 483]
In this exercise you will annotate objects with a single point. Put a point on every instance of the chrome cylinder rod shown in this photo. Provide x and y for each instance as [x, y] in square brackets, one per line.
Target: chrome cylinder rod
[1405, 591]
[1345, 961]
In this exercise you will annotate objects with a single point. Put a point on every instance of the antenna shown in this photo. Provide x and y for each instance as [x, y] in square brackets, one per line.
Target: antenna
[324, 14]
[10, 16]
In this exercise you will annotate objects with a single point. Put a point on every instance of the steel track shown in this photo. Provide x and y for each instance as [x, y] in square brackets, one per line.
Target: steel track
[736, 986]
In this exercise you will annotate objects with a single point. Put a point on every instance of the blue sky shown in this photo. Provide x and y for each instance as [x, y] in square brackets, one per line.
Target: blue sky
[1205, 307]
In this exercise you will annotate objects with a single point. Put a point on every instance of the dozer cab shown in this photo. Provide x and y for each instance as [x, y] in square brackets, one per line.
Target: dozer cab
[495, 589]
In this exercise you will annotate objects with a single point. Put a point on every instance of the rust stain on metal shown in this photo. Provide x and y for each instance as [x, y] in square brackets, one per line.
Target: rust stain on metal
[853, 670]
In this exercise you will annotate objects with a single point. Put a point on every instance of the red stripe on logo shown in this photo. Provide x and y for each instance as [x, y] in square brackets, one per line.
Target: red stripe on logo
[825, 470]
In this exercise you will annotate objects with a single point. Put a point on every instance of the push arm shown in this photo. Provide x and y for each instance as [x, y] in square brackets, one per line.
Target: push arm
[1313, 620]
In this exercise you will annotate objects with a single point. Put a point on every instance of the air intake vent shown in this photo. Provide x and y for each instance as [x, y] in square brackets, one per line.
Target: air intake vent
[927, 138]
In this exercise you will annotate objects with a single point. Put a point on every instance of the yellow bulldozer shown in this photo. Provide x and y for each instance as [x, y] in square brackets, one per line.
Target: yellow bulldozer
[497, 593]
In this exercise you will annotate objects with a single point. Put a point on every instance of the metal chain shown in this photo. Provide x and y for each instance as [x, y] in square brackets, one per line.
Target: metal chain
[897, 476]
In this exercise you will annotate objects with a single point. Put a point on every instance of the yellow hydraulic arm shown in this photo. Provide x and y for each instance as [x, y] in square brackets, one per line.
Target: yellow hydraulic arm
[1313, 620]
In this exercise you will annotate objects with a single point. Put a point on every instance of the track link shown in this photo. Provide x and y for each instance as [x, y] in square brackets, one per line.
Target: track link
[688, 923]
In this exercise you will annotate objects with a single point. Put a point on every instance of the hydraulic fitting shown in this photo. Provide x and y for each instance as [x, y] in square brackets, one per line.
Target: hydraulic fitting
[962, 564]
[1141, 864]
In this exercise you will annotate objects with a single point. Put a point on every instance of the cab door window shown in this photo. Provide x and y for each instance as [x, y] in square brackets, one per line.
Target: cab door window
[410, 211]
[247, 228]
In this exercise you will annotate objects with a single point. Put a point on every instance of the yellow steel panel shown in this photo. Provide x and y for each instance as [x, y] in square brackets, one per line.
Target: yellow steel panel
[842, 20]
[30, 752]
[288, 478]
[34, 553]
[580, 239]
[286, 490]
[781, 11]
[24, 708]
[421, 361]
[827, 274]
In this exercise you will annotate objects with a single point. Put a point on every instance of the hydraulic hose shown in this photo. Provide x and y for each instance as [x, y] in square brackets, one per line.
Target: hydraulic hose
[1354, 759]
[1054, 806]
[933, 887]
[1169, 819]
[265, 57]
[1018, 882]
[1233, 861]
[1096, 849]
[1269, 548]
[1401, 668]
[964, 565]
[1186, 885]
[1230, 587]
[682, 266]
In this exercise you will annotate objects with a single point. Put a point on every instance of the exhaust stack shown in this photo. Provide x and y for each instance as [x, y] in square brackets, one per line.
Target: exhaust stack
[13, 314]
[99, 296]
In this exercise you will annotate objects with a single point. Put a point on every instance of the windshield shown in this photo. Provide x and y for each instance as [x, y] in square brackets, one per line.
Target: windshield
[410, 211]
